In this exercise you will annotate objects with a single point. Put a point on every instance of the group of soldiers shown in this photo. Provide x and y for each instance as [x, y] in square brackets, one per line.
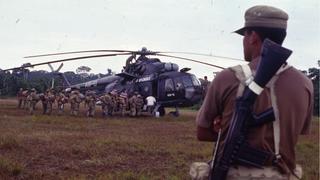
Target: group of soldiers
[111, 103]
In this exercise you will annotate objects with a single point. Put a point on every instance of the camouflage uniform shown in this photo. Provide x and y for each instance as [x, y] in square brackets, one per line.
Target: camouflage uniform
[24, 102]
[61, 100]
[123, 103]
[201, 170]
[132, 104]
[106, 104]
[43, 98]
[114, 100]
[20, 97]
[90, 100]
[50, 101]
[75, 101]
[32, 98]
[139, 104]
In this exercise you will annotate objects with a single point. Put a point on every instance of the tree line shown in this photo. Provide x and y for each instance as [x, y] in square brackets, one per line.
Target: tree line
[11, 82]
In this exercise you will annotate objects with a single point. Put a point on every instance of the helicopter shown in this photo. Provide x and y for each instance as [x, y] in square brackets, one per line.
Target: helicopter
[171, 86]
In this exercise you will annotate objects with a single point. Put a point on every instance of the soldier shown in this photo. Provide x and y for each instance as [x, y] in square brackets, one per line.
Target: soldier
[32, 98]
[106, 104]
[20, 97]
[132, 104]
[75, 101]
[114, 100]
[50, 100]
[205, 84]
[61, 100]
[25, 94]
[90, 100]
[103, 105]
[139, 104]
[123, 102]
[292, 102]
[43, 98]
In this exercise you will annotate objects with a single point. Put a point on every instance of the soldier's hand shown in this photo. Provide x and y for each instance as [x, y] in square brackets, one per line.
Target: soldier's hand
[217, 124]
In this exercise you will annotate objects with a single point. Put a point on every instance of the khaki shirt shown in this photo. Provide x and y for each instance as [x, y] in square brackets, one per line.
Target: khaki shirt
[294, 92]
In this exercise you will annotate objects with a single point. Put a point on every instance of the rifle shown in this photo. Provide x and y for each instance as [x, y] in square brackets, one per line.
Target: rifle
[236, 149]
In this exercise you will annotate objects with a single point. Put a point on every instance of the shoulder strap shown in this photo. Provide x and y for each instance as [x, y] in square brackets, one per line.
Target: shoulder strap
[244, 75]
[276, 123]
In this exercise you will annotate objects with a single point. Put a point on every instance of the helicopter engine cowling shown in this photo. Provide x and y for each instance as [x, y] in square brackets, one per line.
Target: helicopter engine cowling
[170, 67]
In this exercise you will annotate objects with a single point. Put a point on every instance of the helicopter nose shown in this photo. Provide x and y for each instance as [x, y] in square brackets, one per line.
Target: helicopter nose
[193, 94]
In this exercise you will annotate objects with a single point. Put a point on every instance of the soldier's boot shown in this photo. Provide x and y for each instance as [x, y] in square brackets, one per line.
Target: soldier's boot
[138, 111]
[110, 111]
[24, 104]
[92, 112]
[31, 109]
[123, 112]
[19, 103]
[75, 112]
[49, 109]
[133, 112]
[27, 106]
[60, 109]
[105, 111]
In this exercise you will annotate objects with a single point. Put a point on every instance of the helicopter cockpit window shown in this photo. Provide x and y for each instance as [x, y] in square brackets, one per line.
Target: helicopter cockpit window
[195, 81]
[169, 85]
[187, 82]
[179, 86]
[179, 83]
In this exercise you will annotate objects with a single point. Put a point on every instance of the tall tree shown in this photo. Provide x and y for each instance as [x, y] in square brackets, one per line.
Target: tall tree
[83, 71]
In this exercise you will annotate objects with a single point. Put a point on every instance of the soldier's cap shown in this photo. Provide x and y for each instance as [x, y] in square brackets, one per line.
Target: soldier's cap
[264, 16]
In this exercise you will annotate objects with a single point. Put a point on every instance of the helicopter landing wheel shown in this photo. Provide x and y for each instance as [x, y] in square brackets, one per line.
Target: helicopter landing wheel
[175, 113]
[161, 111]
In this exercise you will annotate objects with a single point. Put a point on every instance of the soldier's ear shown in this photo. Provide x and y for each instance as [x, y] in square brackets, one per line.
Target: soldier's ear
[254, 38]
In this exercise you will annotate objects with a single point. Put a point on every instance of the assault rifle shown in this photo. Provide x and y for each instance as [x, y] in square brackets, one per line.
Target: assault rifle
[236, 149]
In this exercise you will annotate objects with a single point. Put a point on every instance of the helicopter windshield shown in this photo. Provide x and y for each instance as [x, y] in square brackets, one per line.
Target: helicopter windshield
[187, 81]
[195, 81]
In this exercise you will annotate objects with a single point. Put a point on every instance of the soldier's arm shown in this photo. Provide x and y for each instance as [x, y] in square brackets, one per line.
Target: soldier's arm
[210, 111]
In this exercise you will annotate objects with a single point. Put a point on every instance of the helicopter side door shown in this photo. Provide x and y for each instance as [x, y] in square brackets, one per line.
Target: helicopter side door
[144, 88]
[166, 90]
[179, 88]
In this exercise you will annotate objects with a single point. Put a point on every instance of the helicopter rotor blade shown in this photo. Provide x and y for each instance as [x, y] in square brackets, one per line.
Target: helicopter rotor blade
[136, 52]
[78, 52]
[69, 59]
[202, 54]
[192, 60]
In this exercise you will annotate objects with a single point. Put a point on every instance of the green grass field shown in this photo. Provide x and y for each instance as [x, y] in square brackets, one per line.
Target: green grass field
[64, 147]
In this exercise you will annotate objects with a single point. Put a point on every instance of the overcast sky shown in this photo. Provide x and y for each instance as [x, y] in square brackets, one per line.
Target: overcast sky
[201, 26]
